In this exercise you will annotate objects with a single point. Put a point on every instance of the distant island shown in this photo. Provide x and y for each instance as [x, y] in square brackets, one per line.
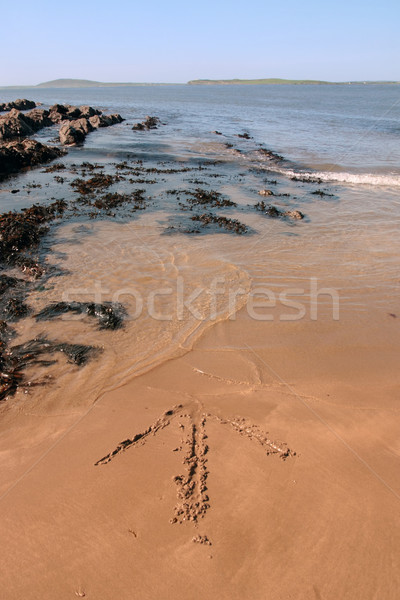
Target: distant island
[69, 83]
[275, 81]
[79, 83]
[270, 81]
[87, 83]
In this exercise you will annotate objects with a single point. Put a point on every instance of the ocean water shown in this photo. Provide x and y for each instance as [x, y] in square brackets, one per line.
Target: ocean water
[342, 141]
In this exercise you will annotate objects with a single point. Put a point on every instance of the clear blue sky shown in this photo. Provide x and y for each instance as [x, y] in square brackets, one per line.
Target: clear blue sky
[176, 40]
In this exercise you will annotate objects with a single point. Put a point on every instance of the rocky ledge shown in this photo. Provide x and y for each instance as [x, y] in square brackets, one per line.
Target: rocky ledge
[15, 156]
[74, 132]
[17, 152]
[20, 104]
[80, 120]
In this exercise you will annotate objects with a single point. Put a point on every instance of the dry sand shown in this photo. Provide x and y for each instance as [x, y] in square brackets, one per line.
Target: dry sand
[267, 467]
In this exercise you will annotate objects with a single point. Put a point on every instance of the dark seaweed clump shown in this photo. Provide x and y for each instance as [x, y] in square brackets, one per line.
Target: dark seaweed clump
[109, 201]
[321, 193]
[54, 168]
[20, 235]
[200, 197]
[269, 210]
[21, 232]
[14, 309]
[224, 222]
[7, 283]
[271, 155]
[15, 359]
[98, 182]
[109, 315]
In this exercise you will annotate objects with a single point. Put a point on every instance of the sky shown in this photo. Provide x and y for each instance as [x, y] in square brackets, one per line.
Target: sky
[175, 41]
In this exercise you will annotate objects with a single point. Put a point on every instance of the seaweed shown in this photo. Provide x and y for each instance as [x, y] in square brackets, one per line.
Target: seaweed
[54, 168]
[22, 231]
[14, 309]
[7, 282]
[271, 155]
[321, 193]
[109, 201]
[14, 360]
[98, 182]
[109, 315]
[209, 198]
[229, 224]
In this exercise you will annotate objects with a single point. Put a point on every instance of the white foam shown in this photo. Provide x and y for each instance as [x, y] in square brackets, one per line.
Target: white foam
[343, 177]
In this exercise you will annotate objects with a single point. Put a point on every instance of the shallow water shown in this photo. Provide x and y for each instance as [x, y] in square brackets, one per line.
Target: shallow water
[345, 136]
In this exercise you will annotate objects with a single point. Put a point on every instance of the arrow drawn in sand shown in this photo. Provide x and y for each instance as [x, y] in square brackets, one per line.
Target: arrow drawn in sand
[192, 498]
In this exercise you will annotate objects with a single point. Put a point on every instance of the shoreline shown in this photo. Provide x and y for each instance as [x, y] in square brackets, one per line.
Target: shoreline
[260, 456]
[261, 508]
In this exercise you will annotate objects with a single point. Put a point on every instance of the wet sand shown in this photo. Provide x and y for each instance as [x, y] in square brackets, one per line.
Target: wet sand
[224, 459]
[320, 521]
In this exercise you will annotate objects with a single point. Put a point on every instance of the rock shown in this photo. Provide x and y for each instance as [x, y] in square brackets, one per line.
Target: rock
[74, 112]
[266, 193]
[294, 214]
[38, 118]
[82, 124]
[116, 118]
[58, 113]
[14, 125]
[18, 125]
[74, 132]
[274, 212]
[59, 108]
[71, 135]
[95, 121]
[20, 104]
[79, 123]
[148, 123]
[17, 155]
[88, 111]
[105, 120]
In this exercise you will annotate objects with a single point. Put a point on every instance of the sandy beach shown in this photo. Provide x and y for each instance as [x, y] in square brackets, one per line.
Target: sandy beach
[320, 522]
[199, 343]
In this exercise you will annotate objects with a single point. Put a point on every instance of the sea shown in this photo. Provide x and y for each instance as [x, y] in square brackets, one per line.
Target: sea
[331, 152]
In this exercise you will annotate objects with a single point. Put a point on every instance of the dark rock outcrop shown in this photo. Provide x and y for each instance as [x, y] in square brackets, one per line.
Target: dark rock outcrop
[20, 104]
[37, 118]
[79, 121]
[14, 125]
[15, 156]
[19, 125]
[148, 123]
[275, 213]
[73, 133]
